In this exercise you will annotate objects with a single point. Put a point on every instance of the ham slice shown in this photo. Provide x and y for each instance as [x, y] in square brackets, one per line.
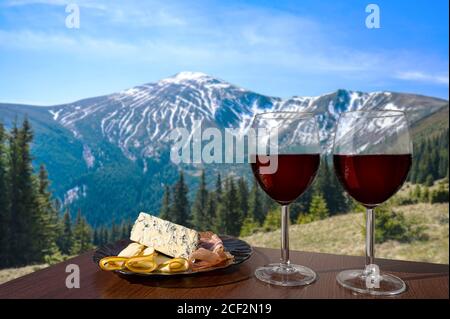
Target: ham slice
[210, 252]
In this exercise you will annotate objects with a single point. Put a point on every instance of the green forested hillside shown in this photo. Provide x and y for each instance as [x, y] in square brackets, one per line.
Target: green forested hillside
[431, 125]
[430, 158]
[52, 144]
[117, 186]
[30, 226]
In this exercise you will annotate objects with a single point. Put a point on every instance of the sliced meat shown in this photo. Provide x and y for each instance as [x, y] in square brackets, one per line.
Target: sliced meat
[210, 252]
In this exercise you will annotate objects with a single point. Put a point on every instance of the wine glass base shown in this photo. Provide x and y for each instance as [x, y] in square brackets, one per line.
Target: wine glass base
[382, 284]
[286, 275]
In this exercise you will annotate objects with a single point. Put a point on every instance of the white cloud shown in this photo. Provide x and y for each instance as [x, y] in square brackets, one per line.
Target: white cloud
[423, 77]
[13, 3]
[54, 42]
[82, 3]
[191, 36]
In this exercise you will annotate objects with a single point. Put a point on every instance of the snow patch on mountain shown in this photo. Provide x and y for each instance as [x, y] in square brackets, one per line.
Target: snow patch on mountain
[392, 106]
[88, 157]
[187, 76]
[74, 194]
[55, 114]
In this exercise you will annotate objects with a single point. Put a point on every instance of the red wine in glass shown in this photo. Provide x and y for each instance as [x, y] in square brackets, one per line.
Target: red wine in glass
[372, 157]
[292, 178]
[372, 179]
[285, 163]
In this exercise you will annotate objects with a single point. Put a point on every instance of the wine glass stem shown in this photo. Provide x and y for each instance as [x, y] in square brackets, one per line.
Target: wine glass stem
[370, 236]
[285, 235]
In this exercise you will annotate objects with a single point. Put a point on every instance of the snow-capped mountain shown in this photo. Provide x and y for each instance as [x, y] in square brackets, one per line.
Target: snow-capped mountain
[108, 155]
[138, 120]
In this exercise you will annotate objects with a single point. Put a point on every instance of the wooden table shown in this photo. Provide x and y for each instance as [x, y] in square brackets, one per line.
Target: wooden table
[424, 280]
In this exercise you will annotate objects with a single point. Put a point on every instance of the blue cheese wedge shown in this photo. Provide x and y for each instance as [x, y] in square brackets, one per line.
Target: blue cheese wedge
[166, 237]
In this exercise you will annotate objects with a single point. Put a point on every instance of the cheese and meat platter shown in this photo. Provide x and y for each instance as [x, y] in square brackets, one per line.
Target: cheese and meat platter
[160, 247]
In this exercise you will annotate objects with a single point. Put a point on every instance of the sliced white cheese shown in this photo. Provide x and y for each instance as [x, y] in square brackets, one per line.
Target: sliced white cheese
[148, 251]
[133, 249]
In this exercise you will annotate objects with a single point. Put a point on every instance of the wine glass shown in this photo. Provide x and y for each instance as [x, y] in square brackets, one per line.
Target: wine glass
[285, 163]
[372, 156]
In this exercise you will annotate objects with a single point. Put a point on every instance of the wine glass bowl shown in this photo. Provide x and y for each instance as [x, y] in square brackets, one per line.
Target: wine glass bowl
[285, 163]
[372, 155]
[294, 175]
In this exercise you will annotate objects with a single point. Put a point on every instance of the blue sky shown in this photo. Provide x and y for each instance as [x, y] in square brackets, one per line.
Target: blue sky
[278, 48]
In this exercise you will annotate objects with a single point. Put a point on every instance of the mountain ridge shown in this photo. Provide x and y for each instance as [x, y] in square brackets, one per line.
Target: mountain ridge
[207, 99]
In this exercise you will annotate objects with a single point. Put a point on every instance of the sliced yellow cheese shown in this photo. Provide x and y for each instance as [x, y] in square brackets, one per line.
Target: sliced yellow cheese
[173, 265]
[112, 263]
[142, 264]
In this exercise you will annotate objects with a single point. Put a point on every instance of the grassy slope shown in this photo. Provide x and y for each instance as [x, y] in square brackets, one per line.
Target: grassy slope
[342, 235]
[13, 273]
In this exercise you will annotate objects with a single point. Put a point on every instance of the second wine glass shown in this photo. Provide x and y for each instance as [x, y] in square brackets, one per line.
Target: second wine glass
[372, 157]
[284, 164]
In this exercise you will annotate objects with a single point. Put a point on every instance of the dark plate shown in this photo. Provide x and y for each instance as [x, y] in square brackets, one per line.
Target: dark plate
[238, 248]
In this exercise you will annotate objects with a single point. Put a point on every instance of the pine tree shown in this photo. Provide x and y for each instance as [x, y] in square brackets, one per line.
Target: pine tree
[65, 242]
[249, 227]
[301, 205]
[82, 234]
[430, 158]
[219, 185]
[255, 204]
[267, 203]
[16, 221]
[105, 236]
[327, 184]
[96, 239]
[179, 212]
[199, 208]
[272, 220]
[318, 208]
[234, 213]
[333, 192]
[220, 221]
[214, 204]
[115, 232]
[124, 233]
[24, 215]
[227, 218]
[4, 202]
[243, 194]
[164, 213]
[211, 211]
[48, 218]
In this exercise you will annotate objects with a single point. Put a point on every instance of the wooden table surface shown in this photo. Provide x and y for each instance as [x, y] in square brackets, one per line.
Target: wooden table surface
[424, 280]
